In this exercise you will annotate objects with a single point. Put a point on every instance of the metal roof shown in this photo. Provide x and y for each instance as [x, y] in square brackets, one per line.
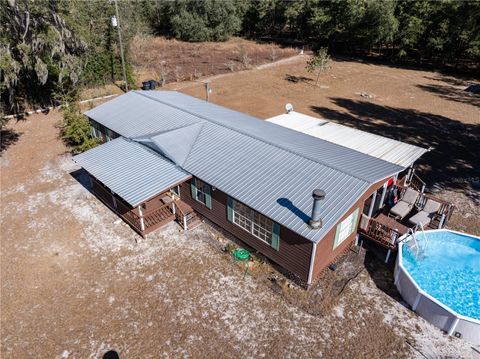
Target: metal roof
[268, 167]
[390, 150]
[131, 170]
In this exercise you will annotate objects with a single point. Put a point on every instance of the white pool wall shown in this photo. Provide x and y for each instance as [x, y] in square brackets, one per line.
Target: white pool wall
[430, 308]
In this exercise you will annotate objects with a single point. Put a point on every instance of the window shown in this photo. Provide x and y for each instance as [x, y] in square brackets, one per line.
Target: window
[253, 222]
[201, 192]
[345, 228]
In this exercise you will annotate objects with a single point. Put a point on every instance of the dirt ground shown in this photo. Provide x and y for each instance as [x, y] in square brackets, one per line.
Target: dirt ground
[420, 107]
[76, 283]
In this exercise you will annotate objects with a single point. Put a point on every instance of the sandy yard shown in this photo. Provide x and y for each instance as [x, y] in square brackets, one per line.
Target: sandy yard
[75, 283]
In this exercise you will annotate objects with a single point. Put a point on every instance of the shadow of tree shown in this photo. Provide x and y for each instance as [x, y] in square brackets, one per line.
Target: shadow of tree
[7, 138]
[454, 161]
[452, 94]
[296, 79]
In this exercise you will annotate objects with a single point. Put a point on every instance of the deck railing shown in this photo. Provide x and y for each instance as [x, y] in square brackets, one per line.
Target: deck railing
[416, 183]
[379, 232]
[443, 214]
[157, 216]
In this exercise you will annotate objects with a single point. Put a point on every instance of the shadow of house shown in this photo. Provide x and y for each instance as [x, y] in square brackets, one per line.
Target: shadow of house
[454, 161]
[82, 177]
[8, 137]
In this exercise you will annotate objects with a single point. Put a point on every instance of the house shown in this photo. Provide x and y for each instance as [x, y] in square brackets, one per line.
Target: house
[295, 198]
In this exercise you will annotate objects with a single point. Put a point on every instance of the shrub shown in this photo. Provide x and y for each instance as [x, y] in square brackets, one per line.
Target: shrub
[76, 131]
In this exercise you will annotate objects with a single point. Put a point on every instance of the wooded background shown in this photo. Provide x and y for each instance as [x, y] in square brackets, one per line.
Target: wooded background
[51, 48]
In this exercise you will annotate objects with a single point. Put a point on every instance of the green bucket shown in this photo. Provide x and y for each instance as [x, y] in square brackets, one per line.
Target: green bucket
[241, 254]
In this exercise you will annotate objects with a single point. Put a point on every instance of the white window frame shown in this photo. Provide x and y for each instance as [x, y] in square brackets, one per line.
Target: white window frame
[346, 228]
[250, 225]
[201, 192]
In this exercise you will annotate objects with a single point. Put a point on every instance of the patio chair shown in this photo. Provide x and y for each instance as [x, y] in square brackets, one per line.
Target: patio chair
[405, 205]
[425, 216]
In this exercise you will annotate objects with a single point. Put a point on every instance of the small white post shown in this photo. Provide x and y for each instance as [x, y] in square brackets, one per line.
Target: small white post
[372, 204]
[185, 223]
[142, 223]
[442, 220]
[174, 208]
[388, 255]
[384, 192]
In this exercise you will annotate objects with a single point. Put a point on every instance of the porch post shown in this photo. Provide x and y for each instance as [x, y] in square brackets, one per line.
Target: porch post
[442, 220]
[384, 192]
[185, 223]
[388, 255]
[142, 223]
[114, 199]
[372, 204]
[174, 208]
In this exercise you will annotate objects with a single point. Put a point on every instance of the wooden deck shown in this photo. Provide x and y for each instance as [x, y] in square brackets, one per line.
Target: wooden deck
[382, 230]
[386, 231]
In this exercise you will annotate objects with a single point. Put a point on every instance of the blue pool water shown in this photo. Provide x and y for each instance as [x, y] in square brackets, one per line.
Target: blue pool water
[448, 268]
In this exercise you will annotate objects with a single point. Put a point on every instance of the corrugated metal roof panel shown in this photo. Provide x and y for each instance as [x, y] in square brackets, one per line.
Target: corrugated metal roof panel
[131, 170]
[268, 167]
[387, 149]
[346, 160]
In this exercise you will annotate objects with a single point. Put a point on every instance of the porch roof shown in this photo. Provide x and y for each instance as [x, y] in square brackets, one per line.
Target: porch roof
[131, 170]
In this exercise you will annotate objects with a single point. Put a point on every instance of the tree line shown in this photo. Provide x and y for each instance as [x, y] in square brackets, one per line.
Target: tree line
[446, 31]
[51, 48]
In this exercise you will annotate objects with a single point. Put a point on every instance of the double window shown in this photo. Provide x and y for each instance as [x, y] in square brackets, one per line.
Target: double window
[253, 222]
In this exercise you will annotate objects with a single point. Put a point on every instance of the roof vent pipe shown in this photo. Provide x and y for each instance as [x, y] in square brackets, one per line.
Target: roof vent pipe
[315, 221]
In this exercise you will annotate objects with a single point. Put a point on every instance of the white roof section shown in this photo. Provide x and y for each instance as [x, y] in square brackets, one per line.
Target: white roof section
[387, 149]
[131, 170]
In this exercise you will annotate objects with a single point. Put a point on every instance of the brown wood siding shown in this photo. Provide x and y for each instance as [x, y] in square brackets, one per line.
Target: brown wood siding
[294, 250]
[325, 254]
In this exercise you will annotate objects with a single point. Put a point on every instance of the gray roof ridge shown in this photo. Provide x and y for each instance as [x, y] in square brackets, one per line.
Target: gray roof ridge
[154, 134]
[152, 151]
[255, 137]
[192, 144]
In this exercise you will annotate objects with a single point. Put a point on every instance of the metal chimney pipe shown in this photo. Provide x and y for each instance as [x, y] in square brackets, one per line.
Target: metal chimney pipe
[315, 221]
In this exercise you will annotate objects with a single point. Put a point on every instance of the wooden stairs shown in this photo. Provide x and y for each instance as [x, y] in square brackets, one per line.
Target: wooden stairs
[186, 216]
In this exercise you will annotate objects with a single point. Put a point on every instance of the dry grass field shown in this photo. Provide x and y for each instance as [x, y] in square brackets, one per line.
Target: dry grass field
[156, 57]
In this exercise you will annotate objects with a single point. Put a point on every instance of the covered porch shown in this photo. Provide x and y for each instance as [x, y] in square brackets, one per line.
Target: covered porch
[135, 182]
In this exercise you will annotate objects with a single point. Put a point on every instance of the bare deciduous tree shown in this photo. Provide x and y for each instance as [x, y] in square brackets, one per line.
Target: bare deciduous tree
[319, 63]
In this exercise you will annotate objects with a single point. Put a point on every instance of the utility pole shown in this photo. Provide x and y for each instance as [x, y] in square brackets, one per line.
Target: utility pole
[116, 23]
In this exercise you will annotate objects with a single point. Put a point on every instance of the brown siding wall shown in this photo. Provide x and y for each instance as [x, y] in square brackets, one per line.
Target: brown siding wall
[294, 250]
[325, 254]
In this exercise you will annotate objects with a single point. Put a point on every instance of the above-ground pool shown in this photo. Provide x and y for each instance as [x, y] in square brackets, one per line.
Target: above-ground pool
[438, 274]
